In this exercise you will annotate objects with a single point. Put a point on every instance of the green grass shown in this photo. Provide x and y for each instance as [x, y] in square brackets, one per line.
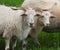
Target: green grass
[11, 2]
[49, 41]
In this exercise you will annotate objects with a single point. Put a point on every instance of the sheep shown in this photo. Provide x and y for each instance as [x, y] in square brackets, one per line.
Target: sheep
[40, 23]
[14, 22]
[55, 23]
[44, 4]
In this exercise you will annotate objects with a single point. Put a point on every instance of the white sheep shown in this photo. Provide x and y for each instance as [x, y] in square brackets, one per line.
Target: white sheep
[55, 23]
[40, 23]
[44, 4]
[15, 23]
[45, 15]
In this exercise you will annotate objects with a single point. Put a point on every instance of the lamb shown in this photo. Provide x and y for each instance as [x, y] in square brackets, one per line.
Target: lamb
[44, 4]
[40, 22]
[55, 23]
[15, 23]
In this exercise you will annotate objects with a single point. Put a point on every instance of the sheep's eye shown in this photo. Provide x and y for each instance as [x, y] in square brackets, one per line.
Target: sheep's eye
[37, 15]
[24, 15]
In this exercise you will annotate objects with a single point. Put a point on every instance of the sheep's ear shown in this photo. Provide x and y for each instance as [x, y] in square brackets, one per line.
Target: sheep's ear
[22, 8]
[52, 17]
[24, 15]
[37, 15]
[14, 8]
[37, 9]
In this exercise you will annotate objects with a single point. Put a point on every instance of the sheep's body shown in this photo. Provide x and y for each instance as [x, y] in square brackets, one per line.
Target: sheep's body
[36, 30]
[44, 4]
[11, 24]
[9, 21]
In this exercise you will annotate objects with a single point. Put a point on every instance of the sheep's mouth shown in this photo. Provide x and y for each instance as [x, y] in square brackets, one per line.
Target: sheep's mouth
[31, 26]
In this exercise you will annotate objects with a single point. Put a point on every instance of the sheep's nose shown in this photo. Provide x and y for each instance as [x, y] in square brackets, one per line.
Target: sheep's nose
[31, 24]
[47, 24]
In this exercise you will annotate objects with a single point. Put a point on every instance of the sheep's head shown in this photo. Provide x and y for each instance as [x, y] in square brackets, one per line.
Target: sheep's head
[30, 14]
[45, 15]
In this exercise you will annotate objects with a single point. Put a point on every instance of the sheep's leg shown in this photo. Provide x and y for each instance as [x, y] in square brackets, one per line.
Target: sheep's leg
[14, 39]
[7, 42]
[34, 35]
[14, 45]
[7, 37]
[24, 44]
[36, 41]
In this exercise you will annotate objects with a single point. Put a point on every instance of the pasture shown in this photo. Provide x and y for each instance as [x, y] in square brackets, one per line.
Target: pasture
[48, 40]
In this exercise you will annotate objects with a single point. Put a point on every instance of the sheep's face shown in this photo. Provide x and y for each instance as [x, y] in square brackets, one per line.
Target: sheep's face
[30, 16]
[46, 15]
